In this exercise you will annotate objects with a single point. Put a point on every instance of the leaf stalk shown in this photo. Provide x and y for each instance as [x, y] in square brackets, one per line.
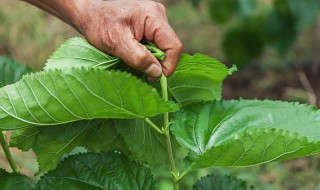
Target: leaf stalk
[8, 154]
[153, 125]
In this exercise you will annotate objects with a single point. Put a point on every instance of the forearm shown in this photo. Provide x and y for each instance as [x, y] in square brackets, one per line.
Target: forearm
[66, 10]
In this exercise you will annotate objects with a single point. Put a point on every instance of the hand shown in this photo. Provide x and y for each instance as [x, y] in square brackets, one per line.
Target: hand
[117, 27]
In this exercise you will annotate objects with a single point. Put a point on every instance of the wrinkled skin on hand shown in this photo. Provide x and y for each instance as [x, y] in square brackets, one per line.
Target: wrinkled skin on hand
[117, 27]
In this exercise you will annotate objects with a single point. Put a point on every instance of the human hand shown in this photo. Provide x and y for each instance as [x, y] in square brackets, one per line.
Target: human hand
[117, 27]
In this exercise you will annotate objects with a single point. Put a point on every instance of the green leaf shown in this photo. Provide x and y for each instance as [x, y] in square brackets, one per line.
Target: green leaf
[77, 52]
[144, 143]
[11, 71]
[55, 141]
[247, 132]
[52, 143]
[98, 172]
[24, 139]
[104, 137]
[197, 78]
[10, 181]
[56, 97]
[221, 182]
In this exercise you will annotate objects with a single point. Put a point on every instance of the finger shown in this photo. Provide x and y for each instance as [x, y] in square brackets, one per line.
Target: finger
[166, 39]
[152, 79]
[137, 56]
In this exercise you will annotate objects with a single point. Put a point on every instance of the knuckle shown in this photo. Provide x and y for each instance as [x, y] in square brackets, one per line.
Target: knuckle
[161, 7]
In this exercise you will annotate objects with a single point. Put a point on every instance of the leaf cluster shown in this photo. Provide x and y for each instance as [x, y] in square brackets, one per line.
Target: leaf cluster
[103, 106]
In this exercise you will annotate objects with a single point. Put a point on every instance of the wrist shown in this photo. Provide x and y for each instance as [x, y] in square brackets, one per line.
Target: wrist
[74, 13]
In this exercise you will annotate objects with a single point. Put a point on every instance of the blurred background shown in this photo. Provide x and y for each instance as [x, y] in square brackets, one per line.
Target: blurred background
[274, 43]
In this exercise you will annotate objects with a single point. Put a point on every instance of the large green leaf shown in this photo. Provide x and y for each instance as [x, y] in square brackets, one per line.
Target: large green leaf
[144, 143]
[221, 182]
[53, 142]
[247, 132]
[11, 71]
[56, 97]
[10, 181]
[98, 172]
[197, 78]
[77, 52]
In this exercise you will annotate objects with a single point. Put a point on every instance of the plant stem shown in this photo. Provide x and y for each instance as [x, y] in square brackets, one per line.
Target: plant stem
[8, 153]
[164, 88]
[159, 54]
[153, 125]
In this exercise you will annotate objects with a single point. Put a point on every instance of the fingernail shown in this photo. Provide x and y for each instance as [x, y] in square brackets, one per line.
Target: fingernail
[153, 70]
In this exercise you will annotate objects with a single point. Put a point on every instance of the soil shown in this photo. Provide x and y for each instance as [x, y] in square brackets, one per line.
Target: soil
[302, 85]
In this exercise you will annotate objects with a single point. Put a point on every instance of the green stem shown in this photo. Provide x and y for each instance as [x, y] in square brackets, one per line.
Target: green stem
[164, 88]
[153, 125]
[8, 153]
[159, 54]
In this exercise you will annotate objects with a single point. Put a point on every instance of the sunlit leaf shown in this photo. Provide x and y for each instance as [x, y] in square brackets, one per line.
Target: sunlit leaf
[197, 78]
[246, 132]
[56, 97]
[77, 52]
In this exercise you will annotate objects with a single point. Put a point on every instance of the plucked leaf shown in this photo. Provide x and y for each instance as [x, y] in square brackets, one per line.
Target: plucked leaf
[10, 181]
[98, 172]
[221, 182]
[197, 78]
[56, 97]
[77, 52]
[144, 143]
[11, 71]
[246, 132]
